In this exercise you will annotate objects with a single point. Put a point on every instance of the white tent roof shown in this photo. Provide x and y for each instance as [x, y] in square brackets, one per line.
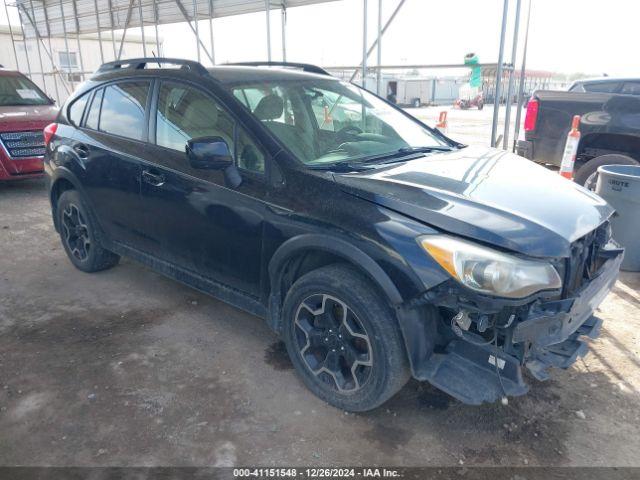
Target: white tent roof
[80, 15]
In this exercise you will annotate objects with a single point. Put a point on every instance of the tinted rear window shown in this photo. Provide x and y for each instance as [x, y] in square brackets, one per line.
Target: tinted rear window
[603, 87]
[94, 111]
[631, 88]
[123, 108]
[77, 109]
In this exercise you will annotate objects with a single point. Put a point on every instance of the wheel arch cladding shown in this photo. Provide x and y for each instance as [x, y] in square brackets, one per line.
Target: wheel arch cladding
[63, 180]
[309, 251]
[58, 187]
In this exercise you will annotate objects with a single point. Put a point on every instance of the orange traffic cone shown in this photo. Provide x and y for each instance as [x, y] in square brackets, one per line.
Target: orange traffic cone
[442, 124]
[570, 149]
[328, 120]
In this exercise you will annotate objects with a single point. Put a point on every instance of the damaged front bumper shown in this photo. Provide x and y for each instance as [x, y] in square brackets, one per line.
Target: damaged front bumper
[543, 334]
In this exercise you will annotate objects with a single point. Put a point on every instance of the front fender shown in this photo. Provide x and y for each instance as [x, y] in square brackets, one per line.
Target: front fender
[336, 246]
[330, 244]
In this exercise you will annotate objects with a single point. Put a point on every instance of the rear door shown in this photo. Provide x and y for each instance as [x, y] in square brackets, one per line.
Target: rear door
[195, 219]
[109, 144]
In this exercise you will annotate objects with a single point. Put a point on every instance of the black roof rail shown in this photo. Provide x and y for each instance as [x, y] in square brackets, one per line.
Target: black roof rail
[305, 67]
[141, 63]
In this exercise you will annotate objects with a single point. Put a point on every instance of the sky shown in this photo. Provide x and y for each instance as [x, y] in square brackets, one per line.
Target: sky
[566, 36]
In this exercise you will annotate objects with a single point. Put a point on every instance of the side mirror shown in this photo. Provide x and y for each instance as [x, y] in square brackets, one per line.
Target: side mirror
[210, 153]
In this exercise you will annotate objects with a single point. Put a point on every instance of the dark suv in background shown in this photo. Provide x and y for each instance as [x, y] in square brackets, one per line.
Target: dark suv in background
[374, 245]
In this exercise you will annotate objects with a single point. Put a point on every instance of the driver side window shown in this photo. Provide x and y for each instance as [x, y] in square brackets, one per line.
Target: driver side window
[185, 113]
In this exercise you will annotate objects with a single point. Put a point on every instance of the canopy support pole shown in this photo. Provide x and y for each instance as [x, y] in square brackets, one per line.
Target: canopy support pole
[384, 29]
[364, 43]
[75, 14]
[283, 18]
[197, 32]
[522, 79]
[379, 71]
[514, 50]
[66, 43]
[49, 53]
[185, 14]
[95, 4]
[13, 42]
[213, 53]
[144, 42]
[126, 26]
[113, 35]
[496, 100]
[44, 80]
[156, 17]
[267, 8]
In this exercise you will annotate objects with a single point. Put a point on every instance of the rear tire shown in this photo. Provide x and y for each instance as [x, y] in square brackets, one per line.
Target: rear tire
[80, 235]
[587, 174]
[343, 339]
[416, 103]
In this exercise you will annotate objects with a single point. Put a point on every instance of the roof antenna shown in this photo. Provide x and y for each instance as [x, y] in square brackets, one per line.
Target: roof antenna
[155, 56]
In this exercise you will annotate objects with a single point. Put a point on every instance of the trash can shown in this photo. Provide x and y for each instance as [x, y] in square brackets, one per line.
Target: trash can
[620, 186]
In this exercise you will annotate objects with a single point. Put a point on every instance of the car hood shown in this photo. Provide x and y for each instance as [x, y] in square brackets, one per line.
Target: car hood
[486, 194]
[26, 117]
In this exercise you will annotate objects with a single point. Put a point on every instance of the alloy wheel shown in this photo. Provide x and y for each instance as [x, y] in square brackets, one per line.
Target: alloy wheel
[333, 343]
[76, 232]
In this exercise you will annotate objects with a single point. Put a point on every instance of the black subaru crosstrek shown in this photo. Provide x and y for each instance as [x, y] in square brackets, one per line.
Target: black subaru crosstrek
[377, 248]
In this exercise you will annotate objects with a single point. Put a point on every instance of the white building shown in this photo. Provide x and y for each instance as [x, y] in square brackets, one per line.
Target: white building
[69, 66]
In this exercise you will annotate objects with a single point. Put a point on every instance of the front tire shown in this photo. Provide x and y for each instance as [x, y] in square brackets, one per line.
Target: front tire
[79, 235]
[587, 174]
[343, 339]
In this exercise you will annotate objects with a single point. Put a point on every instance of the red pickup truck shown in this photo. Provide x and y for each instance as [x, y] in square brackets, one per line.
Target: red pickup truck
[24, 111]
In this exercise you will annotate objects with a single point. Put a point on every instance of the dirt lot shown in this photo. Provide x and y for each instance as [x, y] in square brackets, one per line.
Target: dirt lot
[126, 367]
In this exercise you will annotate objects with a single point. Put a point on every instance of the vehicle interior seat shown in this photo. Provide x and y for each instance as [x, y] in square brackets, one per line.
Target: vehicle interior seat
[202, 119]
[270, 111]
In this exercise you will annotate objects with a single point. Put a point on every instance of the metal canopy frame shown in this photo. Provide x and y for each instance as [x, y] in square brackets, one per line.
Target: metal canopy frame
[42, 20]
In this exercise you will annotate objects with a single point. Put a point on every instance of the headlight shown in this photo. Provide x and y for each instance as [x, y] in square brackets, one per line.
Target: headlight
[489, 271]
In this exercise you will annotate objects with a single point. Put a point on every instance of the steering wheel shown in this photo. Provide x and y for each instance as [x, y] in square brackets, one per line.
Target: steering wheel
[345, 133]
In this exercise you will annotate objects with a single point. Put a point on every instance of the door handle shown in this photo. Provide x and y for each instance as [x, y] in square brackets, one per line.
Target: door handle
[81, 150]
[156, 180]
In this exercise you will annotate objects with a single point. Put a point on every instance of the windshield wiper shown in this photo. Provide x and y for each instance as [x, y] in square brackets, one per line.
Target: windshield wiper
[404, 152]
[434, 148]
[343, 166]
[365, 163]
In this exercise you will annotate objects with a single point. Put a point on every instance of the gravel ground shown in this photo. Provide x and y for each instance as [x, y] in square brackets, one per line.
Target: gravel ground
[126, 367]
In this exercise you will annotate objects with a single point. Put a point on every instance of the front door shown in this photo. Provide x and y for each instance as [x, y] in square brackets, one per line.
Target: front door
[194, 218]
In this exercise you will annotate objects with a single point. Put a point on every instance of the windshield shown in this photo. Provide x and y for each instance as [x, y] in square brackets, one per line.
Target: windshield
[325, 121]
[19, 90]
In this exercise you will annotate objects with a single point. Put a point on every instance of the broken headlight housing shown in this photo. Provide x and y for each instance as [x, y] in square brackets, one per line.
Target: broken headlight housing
[489, 271]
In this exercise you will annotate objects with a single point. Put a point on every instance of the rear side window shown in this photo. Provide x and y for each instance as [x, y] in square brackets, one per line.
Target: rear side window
[123, 109]
[631, 88]
[602, 87]
[77, 109]
[93, 115]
